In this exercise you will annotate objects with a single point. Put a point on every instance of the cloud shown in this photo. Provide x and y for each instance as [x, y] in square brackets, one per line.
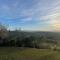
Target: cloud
[53, 20]
[52, 17]
[42, 11]
[15, 10]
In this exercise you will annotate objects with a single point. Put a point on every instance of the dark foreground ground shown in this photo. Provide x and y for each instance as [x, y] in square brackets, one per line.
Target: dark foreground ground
[13, 53]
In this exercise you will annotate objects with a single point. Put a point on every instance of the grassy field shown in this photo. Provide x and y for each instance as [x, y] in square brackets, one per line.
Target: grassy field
[28, 54]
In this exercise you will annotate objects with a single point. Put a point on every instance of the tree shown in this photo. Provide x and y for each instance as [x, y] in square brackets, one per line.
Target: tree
[3, 31]
[3, 34]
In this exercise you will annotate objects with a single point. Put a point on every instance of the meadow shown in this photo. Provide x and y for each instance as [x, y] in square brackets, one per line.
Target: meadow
[17, 53]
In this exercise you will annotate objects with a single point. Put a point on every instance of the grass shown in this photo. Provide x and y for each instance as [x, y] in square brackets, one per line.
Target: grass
[11, 53]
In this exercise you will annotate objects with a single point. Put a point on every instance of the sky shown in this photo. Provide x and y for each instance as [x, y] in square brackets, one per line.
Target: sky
[31, 15]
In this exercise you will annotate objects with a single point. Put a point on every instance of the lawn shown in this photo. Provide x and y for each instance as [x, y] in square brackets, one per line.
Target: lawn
[11, 53]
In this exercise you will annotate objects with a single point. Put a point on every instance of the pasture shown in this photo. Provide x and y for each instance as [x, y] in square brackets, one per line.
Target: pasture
[16, 53]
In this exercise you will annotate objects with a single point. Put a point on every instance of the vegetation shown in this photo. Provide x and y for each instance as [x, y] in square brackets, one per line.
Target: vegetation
[18, 38]
[17, 53]
[22, 45]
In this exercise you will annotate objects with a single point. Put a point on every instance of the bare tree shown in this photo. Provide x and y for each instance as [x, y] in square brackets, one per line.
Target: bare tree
[3, 31]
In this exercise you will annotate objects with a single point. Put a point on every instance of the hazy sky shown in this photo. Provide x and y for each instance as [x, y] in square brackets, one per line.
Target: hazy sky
[31, 14]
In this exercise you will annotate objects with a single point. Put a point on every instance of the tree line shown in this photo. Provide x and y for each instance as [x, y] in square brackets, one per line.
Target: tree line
[19, 38]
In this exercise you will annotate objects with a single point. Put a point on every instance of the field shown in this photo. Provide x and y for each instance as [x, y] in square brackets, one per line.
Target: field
[11, 53]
